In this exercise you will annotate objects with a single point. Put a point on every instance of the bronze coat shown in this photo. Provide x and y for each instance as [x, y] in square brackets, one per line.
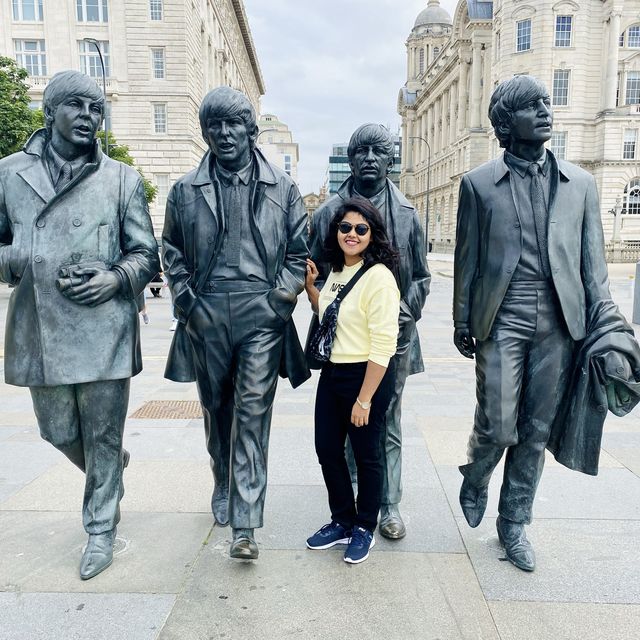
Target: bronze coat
[101, 215]
[192, 239]
[489, 242]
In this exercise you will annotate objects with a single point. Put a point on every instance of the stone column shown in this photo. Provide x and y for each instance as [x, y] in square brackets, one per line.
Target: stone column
[611, 78]
[476, 89]
[453, 125]
[410, 133]
[463, 96]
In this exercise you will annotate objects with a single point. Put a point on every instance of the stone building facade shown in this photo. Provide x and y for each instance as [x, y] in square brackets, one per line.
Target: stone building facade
[276, 142]
[161, 57]
[587, 52]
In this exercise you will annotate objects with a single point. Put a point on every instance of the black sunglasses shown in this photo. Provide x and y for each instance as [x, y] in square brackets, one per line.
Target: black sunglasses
[361, 229]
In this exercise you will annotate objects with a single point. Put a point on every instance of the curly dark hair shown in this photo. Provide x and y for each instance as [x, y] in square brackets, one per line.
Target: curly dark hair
[379, 249]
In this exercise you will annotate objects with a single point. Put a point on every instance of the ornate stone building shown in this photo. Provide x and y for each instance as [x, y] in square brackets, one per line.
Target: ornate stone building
[161, 57]
[587, 52]
[276, 142]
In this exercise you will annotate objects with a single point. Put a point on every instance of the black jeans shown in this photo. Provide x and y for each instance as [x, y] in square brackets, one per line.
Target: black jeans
[337, 392]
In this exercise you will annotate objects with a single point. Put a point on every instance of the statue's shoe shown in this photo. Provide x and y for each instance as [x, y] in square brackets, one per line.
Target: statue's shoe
[243, 546]
[98, 554]
[473, 501]
[391, 525]
[514, 540]
[220, 505]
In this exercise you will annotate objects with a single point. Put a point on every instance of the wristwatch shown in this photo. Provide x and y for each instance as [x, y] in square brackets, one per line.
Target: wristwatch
[363, 405]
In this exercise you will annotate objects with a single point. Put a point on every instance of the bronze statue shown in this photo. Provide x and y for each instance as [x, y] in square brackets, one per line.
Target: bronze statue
[77, 244]
[529, 269]
[371, 152]
[235, 249]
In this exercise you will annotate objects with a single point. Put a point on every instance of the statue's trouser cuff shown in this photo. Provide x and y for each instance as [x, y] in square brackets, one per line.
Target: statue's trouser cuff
[522, 373]
[338, 389]
[86, 422]
[237, 344]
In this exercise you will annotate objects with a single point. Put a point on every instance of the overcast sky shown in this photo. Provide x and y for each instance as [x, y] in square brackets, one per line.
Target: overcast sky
[331, 65]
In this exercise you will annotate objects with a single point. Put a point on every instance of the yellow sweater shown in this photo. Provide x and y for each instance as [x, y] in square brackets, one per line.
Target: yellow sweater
[368, 319]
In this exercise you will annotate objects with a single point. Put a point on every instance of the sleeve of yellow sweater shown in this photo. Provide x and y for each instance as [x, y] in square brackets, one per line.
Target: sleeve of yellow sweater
[381, 300]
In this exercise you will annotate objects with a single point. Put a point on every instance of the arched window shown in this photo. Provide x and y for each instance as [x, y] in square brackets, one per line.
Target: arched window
[422, 60]
[631, 199]
[632, 35]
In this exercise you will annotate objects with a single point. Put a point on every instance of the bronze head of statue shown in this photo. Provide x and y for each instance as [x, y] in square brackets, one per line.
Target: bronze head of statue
[521, 115]
[370, 151]
[73, 107]
[228, 123]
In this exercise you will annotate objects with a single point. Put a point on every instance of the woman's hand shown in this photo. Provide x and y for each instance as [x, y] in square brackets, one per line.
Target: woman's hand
[359, 416]
[311, 276]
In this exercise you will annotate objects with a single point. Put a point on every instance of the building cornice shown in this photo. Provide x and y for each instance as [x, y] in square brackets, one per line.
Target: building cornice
[243, 23]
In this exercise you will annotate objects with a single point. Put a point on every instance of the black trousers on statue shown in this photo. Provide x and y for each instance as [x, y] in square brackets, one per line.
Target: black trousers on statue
[522, 373]
[338, 389]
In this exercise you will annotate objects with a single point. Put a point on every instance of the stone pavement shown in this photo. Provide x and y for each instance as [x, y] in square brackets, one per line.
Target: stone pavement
[172, 578]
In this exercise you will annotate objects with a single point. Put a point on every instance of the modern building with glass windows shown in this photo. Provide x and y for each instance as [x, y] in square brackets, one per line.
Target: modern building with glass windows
[587, 52]
[160, 58]
[339, 169]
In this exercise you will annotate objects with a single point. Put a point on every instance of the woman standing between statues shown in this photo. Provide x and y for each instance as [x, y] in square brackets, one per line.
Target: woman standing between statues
[357, 382]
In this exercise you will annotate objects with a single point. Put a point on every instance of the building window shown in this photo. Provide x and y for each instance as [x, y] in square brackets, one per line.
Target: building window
[90, 60]
[629, 144]
[558, 144]
[160, 117]
[633, 87]
[523, 37]
[633, 37]
[421, 62]
[31, 55]
[563, 31]
[631, 198]
[162, 184]
[27, 10]
[92, 10]
[287, 164]
[436, 52]
[561, 87]
[155, 9]
[157, 64]
[621, 40]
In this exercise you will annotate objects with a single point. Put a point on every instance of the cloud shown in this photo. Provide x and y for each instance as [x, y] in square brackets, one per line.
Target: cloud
[331, 65]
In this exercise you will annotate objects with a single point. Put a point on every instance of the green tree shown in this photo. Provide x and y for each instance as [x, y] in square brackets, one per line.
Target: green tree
[121, 152]
[17, 120]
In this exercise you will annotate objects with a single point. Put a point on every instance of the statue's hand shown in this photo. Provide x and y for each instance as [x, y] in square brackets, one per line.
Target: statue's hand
[101, 286]
[465, 344]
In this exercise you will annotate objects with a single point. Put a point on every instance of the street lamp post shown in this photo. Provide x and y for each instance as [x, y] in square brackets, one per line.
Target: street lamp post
[426, 226]
[96, 44]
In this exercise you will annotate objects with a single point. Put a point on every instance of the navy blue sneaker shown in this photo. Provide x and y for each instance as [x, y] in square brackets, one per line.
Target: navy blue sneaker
[327, 536]
[361, 542]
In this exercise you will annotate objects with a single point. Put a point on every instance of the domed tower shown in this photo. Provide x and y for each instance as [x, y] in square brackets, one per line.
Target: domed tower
[430, 31]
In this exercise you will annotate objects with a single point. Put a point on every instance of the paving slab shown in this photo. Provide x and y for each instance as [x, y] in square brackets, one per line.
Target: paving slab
[293, 513]
[151, 485]
[315, 595]
[68, 616]
[577, 561]
[154, 552]
[566, 621]
[22, 463]
[563, 493]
